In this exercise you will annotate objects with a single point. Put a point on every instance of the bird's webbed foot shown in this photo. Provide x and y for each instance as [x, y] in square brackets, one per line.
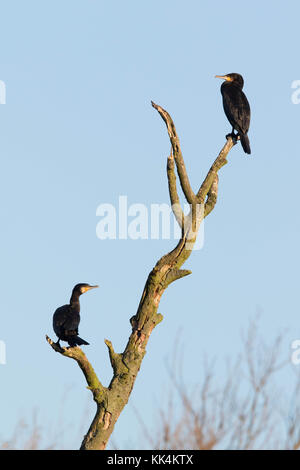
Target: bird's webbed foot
[233, 136]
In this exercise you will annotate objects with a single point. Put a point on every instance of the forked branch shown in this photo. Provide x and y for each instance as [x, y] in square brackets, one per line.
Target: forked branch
[111, 400]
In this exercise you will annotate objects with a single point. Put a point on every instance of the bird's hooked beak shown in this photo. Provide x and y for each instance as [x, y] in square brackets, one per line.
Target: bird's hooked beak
[224, 77]
[85, 289]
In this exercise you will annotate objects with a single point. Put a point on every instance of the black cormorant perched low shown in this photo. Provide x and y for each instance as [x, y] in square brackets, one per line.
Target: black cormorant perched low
[236, 106]
[66, 318]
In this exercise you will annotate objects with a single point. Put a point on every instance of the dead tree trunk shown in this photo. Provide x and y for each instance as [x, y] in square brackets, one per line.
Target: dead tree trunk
[111, 400]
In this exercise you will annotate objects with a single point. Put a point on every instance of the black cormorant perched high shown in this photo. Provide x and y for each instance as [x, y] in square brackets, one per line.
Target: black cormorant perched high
[66, 318]
[236, 106]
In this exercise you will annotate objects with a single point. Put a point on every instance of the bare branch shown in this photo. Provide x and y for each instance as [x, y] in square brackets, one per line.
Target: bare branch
[78, 355]
[184, 179]
[115, 359]
[174, 198]
[220, 161]
[212, 196]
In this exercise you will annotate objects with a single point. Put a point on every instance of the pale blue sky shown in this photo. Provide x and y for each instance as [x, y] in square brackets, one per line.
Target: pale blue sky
[78, 130]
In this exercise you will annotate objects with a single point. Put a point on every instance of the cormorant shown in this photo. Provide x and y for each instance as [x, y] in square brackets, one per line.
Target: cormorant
[236, 106]
[66, 318]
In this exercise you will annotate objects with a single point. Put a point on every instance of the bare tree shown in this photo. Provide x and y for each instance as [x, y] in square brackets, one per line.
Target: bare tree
[111, 400]
[243, 407]
[28, 435]
[246, 411]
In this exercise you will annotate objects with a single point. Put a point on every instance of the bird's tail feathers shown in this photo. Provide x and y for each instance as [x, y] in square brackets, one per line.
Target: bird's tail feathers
[77, 341]
[245, 143]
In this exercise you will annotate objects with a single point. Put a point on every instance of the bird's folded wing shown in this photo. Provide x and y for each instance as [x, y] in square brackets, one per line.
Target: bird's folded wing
[236, 103]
